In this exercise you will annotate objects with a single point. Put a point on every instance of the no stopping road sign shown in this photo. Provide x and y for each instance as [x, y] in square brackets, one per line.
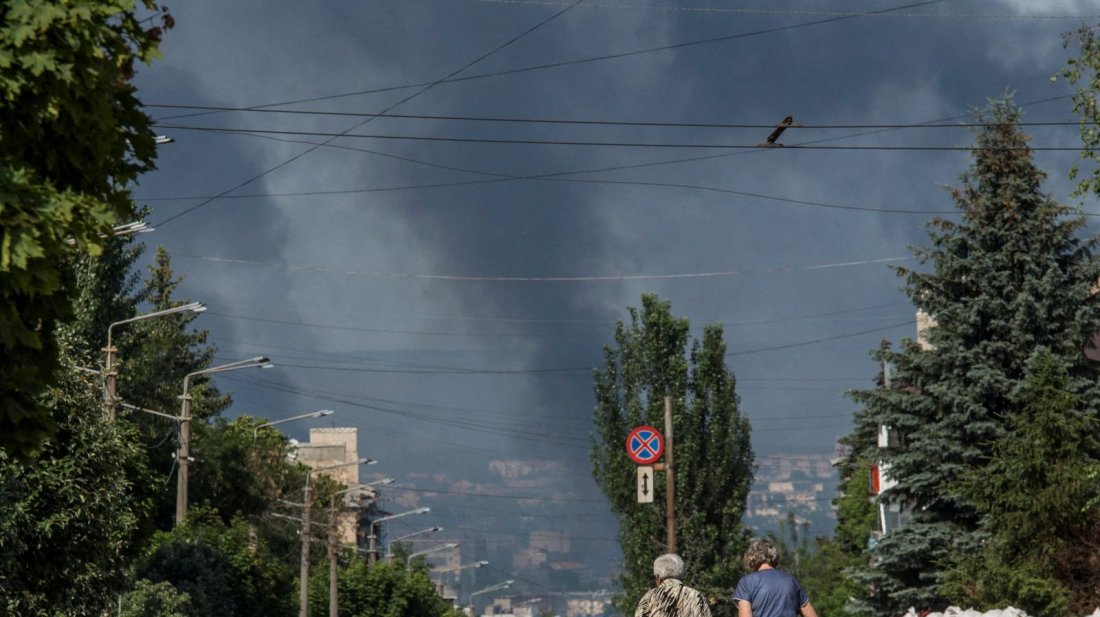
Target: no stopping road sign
[645, 445]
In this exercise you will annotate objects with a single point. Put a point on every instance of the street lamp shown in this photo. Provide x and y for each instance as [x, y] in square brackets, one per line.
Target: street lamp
[416, 533]
[505, 585]
[364, 487]
[110, 375]
[313, 414]
[373, 547]
[303, 592]
[434, 549]
[131, 229]
[183, 454]
[465, 566]
[389, 548]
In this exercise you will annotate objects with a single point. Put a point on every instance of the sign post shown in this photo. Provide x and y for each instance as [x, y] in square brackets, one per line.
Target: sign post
[645, 484]
[670, 482]
[644, 446]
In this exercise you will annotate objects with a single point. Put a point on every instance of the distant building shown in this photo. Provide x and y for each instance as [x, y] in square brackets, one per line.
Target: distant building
[332, 446]
[791, 483]
[595, 605]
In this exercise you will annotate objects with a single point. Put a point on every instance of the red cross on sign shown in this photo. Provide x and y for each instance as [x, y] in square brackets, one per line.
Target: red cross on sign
[645, 445]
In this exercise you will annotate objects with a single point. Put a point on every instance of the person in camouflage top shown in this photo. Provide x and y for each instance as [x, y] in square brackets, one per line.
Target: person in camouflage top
[671, 598]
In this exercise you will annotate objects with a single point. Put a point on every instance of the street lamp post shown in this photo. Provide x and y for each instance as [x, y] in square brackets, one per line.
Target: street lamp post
[312, 414]
[374, 535]
[303, 592]
[110, 374]
[333, 524]
[434, 549]
[505, 585]
[183, 453]
[416, 533]
[458, 568]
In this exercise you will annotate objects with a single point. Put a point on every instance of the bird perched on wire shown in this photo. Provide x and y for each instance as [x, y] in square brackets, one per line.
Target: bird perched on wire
[779, 128]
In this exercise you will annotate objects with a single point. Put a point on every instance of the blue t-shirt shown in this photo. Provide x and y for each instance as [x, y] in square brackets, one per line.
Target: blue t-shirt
[771, 593]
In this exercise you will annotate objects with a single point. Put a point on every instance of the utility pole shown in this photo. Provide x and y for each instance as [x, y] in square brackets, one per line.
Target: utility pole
[372, 547]
[110, 378]
[183, 454]
[183, 457]
[332, 595]
[303, 573]
[303, 590]
[670, 481]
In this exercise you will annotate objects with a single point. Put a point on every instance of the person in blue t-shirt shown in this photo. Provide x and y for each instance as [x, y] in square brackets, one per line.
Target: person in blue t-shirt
[766, 591]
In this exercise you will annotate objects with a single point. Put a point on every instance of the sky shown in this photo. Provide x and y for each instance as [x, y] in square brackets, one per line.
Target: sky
[445, 277]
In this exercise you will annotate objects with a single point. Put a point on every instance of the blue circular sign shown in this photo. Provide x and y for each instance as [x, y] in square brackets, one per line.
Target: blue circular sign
[645, 445]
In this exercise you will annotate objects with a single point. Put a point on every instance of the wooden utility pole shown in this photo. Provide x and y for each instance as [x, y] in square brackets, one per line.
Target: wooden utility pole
[333, 528]
[183, 457]
[670, 480]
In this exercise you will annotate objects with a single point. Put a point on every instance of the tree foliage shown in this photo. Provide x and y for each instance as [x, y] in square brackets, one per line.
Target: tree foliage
[68, 521]
[1083, 72]
[149, 599]
[72, 140]
[225, 570]
[238, 475]
[713, 456]
[1040, 529]
[384, 589]
[1012, 276]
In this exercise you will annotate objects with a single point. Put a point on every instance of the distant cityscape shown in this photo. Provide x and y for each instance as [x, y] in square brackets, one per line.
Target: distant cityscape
[802, 484]
[540, 550]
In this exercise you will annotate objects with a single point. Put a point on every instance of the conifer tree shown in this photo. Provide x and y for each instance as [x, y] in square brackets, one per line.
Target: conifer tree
[1011, 276]
[713, 455]
[1040, 518]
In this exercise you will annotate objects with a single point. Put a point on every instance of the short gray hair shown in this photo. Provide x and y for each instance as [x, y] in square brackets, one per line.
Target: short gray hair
[761, 551]
[668, 566]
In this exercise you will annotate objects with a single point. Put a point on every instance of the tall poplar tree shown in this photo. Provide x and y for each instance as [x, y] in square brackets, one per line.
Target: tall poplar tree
[654, 356]
[1012, 276]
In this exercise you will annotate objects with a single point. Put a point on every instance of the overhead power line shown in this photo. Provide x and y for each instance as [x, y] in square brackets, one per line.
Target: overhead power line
[781, 12]
[821, 340]
[360, 314]
[408, 98]
[581, 122]
[553, 177]
[490, 495]
[607, 144]
[550, 279]
[588, 60]
[491, 427]
[566, 176]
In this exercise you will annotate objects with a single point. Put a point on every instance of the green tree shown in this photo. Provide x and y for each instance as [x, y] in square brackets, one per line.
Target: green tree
[1041, 543]
[149, 599]
[1012, 276]
[156, 354]
[68, 521]
[713, 456]
[1083, 72]
[153, 358]
[226, 570]
[238, 475]
[73, 138]
[384, 589]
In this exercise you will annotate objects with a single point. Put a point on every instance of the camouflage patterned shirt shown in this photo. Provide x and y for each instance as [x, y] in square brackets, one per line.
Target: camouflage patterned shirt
[672, 599]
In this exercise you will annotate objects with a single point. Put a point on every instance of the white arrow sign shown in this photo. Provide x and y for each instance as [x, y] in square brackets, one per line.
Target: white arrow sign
[645, 484]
